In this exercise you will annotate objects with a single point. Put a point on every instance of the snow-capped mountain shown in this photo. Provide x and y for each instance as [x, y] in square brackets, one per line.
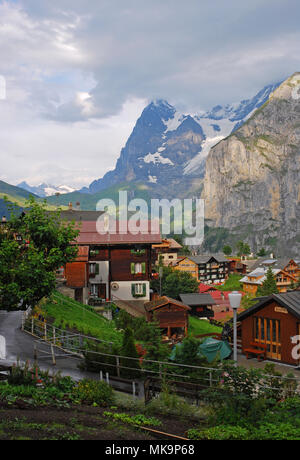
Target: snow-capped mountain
[44, 190]
[166, 145]
[221, 121]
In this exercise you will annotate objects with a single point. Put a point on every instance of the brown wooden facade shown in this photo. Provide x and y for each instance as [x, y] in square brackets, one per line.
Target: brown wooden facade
[273, 322]
[111, 266]
[172, 315]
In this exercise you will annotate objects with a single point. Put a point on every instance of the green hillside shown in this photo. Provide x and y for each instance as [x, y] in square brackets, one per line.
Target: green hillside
[17, 196]
[13, 195]
[88, 201]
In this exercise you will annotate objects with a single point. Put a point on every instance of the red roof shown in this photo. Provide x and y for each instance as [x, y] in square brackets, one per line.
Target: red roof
[205, 288]
[90, 235]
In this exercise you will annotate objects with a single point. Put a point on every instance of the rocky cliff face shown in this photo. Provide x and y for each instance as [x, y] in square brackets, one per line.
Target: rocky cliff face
[167, 150]
[251, 184]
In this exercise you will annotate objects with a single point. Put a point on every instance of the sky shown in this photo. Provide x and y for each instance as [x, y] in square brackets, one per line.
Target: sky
[78, 73]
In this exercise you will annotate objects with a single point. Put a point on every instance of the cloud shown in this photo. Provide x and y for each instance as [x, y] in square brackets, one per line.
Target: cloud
[78, 73]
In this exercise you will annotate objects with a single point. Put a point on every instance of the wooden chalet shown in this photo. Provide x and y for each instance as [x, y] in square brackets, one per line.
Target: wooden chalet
[201, 304]
[172, 315]
[166, 251]
[207, 269]
[110, 266]
[273, 323]
[253, 280]
[237, 266]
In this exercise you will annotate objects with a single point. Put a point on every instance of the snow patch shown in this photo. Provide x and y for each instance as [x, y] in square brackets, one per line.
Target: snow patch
[206, 146]
[173, 123]
[156, 158]
[152, 179]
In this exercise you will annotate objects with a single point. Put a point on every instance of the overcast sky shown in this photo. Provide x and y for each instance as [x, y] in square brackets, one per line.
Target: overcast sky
[79, 72]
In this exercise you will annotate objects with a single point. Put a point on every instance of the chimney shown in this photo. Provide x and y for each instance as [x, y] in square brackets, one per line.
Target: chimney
[70, 206]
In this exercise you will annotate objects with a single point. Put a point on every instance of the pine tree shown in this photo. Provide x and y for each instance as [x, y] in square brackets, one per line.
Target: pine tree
[269, 285]
[129, 350]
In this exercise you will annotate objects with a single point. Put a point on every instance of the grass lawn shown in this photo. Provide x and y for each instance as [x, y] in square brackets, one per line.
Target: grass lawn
[67, 313]
[232, 283]
[201, 326]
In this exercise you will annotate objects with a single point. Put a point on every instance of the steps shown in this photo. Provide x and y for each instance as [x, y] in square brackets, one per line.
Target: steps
[134, 308]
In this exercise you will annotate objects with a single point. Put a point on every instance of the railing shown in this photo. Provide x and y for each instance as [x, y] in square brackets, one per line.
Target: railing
[75, 347]
[56, 336]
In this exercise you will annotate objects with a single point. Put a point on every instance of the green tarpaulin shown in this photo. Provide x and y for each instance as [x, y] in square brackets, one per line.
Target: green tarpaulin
[210, 347]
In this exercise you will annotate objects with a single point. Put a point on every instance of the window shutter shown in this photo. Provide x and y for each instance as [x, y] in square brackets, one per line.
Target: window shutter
[144, 267]
[133, 290]
[97, 269]
[132, 265]
[144, 289]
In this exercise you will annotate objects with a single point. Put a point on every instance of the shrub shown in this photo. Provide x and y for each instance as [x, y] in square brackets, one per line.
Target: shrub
[129, 350]
[221, 432]
[281, 431]
[91, 391]
[23, 375]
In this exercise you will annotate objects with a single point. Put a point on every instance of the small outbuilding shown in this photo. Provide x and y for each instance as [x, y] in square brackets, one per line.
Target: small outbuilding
[201, 304]
[172, 315]
[273, 322]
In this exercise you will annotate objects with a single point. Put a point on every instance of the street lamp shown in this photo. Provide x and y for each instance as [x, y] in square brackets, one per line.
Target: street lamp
[235, 301]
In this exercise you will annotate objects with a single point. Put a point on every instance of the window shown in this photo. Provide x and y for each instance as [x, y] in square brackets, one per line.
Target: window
[94, 290]
[94, 269]
[138, 268]
[268, 331]
[138, 289]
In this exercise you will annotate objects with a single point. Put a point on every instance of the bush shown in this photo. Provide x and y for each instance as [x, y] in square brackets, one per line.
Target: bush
[93, 392]
[281, 431]
[221, 432]
[23, 375]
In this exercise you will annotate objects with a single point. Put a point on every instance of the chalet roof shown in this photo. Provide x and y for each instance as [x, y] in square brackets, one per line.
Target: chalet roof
[260, 274]
[194, 300]
[154, 304]
[206, 287]
[90, 236]
[289, 300]
[168, 243]
[276, 263]
[205, 258]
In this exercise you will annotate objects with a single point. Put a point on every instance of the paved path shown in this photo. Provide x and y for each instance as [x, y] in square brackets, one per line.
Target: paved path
[20, 346]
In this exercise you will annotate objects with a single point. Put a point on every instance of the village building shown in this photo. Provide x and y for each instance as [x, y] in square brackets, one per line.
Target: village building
[172, 316]
[201, 304]
[110, 266]
[236, 265]
[209, 269]
[222, 309]
[273, 322]
[252, 281]
[166, 252]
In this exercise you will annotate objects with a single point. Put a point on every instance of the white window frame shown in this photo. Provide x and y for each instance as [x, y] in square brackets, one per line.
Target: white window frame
[138, 268]
[94, 287]
[139, 290]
